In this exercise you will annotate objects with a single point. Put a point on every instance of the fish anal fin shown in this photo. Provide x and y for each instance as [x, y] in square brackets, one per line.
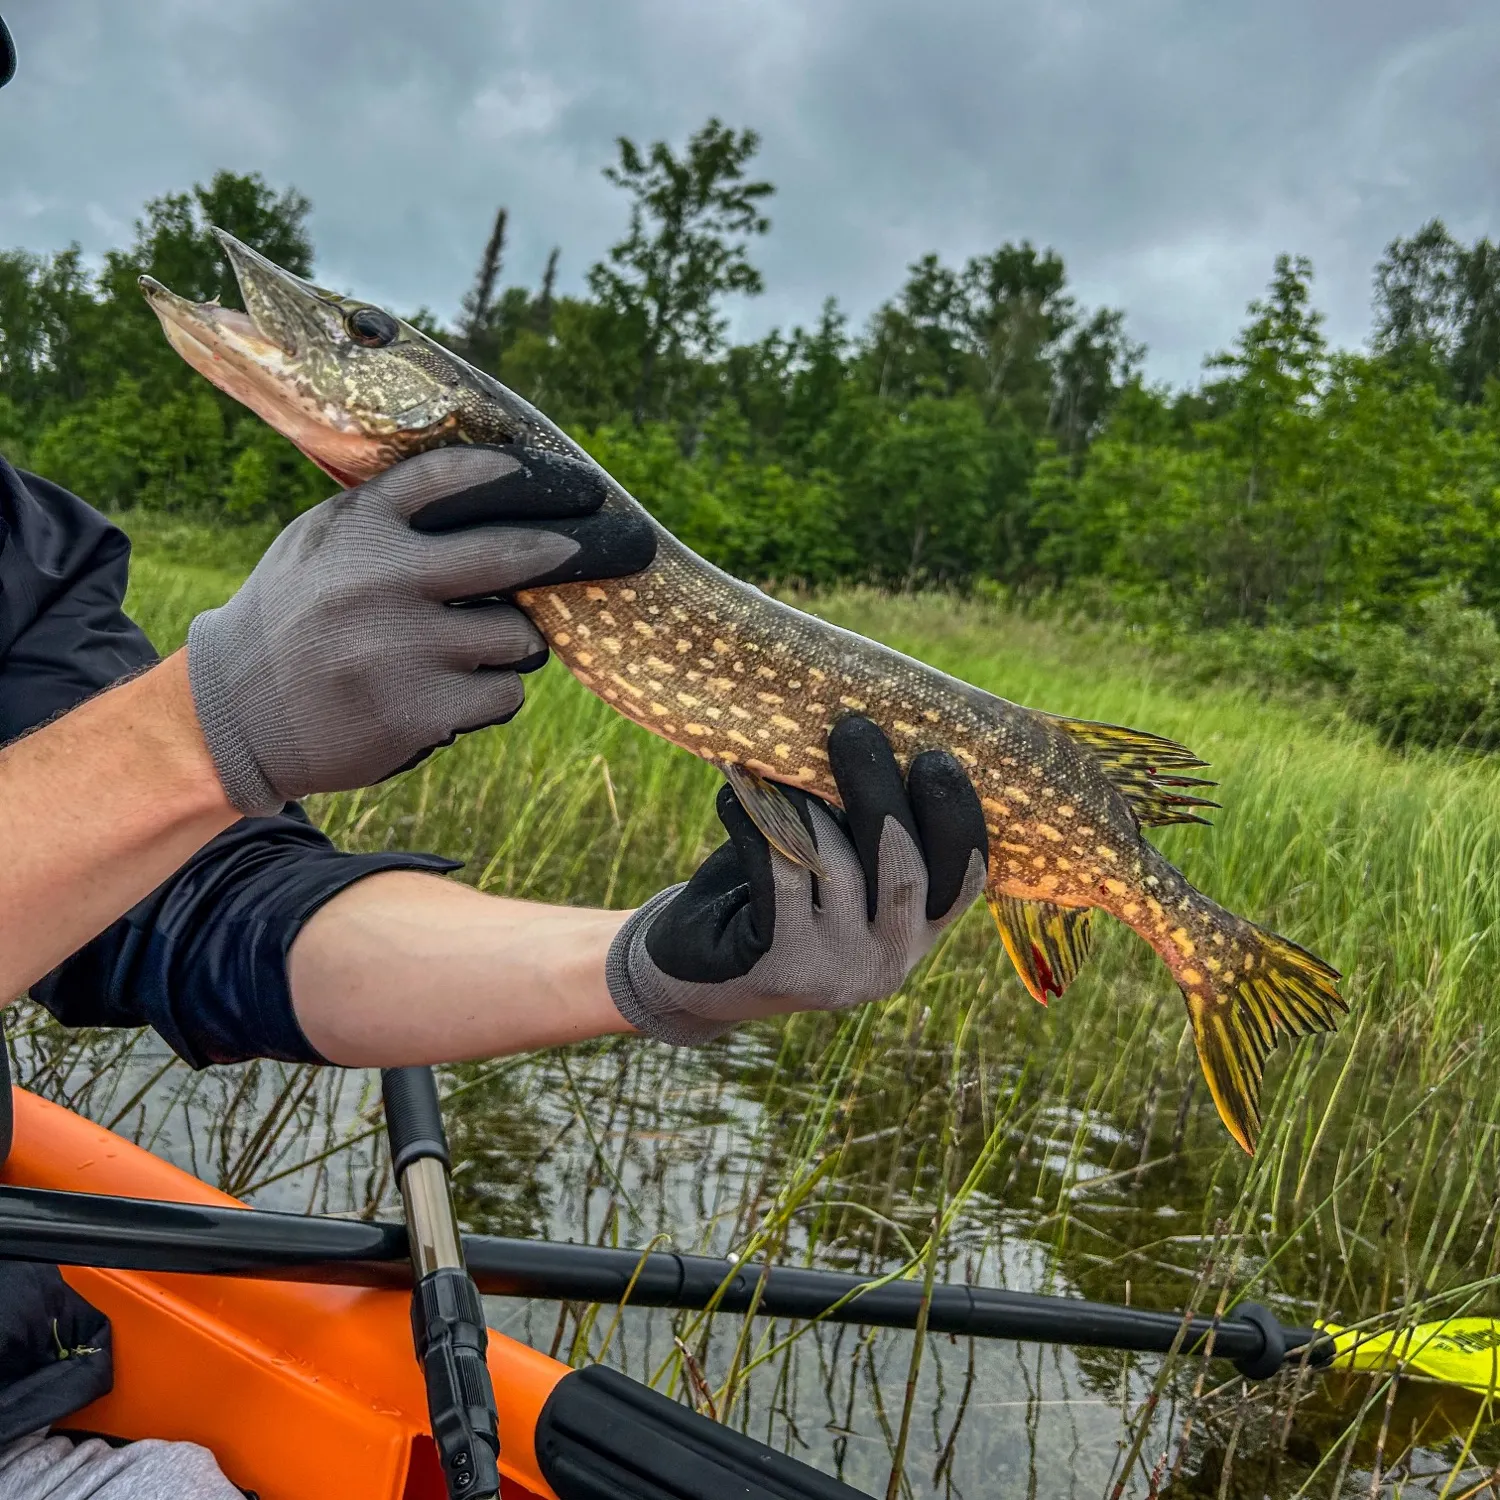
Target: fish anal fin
[771, 810]
[1277, 988]
[1047, 943]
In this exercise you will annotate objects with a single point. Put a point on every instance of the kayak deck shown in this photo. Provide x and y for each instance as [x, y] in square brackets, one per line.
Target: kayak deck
[299, 1390]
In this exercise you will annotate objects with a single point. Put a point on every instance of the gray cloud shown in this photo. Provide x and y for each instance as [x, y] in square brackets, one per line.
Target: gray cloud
[1167, 148]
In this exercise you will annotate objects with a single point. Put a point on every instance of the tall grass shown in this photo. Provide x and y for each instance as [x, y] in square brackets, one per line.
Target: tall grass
[960, 1131]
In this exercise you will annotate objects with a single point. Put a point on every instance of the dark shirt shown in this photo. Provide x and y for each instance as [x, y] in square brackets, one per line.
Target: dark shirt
[202, 959]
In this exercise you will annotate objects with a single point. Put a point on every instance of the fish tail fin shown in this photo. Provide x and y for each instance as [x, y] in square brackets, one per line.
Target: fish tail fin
[1146, 769]
[1047, 943]
[1241, 994]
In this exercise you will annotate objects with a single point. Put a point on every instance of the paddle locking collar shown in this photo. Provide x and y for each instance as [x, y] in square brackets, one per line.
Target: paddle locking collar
[447, 1316]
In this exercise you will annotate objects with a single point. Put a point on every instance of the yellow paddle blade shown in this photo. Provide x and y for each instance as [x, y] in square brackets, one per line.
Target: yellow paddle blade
[1460, 1351]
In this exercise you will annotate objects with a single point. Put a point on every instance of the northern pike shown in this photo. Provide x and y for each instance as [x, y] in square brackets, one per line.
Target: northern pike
[754, 685]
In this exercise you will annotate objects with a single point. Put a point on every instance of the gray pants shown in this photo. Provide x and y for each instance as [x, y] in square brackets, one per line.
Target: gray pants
[39, 1467]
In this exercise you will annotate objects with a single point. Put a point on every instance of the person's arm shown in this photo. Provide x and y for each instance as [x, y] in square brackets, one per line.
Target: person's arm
[405, 968]
[96, 809]
[410, 968]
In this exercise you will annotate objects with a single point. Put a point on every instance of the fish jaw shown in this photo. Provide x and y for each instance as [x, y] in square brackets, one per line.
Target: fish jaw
[290, 359]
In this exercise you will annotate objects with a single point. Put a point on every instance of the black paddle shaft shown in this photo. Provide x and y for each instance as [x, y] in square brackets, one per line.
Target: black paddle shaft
[447, 1315]
[92, 1229]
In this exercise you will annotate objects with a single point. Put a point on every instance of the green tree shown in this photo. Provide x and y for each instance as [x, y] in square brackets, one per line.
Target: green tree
[691, 219]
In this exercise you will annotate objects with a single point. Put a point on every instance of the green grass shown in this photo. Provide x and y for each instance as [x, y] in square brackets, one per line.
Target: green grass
[962, 1129]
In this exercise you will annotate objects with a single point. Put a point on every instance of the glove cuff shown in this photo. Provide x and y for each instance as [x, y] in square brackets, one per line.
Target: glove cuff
[630, 973]
[244, 782]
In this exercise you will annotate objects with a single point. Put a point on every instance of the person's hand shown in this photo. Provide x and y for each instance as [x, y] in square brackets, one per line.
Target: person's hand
[343, 658]
[752, 934]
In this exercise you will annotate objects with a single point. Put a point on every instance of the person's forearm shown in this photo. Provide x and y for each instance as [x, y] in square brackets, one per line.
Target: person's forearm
[405, 968]
[96, 810]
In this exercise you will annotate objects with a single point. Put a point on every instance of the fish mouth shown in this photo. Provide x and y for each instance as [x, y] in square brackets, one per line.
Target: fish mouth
[278, 358]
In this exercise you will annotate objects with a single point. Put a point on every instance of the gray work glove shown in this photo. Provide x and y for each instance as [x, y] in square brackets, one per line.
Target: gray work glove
[752, 934]
[343, 658]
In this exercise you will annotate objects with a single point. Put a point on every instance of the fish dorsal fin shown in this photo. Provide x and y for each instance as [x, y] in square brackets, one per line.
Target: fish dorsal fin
[1047, 943]
[771, 810]
[1145, 768]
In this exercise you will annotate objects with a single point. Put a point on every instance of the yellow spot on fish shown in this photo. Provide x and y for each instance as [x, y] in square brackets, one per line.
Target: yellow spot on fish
[658, 665]
[1213, 964]
[714, 713]
[1040, 862]
[1105, 852]
[1017, 848]
[559, 606]
[583, 631]
[701, 730]
[688, 702]
[607, 618]
[741, 739]
[1116, 887]
[902, 727]
[1017, 795]
[596, 594]
[771, 698]
[584, 658]
[857, 704]
[610, 644]
[1228, 976]
[1064, 864]
[1133, 909]
[1191, 976]
[817, 754]
[782, 722]
[816, 708]
[642, 628]
[1066, 810]
[931, 715]
[816, 674]
[660, 709]
[683, 647]
[1047, 831]
[1153, 906]
[765, 672]
[720, 646]
[562, 638]
[629, 687]
[805, 773]
[1184, 942]
[738, 712]
[721, 684]
[783, 752]
[989, 804]
[628, 595]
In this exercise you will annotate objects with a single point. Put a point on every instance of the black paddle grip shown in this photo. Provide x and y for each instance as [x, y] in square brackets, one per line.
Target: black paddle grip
[448, 1329]
[413, 1119]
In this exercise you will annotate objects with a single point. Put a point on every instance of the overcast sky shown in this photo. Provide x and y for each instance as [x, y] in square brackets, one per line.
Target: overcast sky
[1168, 149]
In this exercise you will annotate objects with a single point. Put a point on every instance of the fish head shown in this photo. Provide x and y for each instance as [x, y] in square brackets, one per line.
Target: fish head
[354, 387]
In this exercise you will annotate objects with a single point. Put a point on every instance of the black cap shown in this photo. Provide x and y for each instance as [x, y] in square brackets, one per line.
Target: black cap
[7, 55]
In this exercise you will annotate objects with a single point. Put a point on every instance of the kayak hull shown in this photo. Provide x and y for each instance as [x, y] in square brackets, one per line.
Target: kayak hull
[299, 1390]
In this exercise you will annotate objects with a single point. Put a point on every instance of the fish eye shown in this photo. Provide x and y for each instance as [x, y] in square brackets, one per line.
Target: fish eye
[371, 326]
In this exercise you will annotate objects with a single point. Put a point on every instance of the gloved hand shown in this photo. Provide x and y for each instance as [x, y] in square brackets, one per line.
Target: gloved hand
[752, 934]
[342, 658]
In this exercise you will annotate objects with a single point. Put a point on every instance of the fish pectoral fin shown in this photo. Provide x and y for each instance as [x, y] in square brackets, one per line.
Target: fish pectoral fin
[771, 810]
[1047, 943]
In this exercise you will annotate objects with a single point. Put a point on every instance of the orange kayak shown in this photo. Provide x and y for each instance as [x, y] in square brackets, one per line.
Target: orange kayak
[300, 1391]
[304, 1390]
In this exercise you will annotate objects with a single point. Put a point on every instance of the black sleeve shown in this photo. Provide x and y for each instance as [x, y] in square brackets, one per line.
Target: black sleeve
[203, 958]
